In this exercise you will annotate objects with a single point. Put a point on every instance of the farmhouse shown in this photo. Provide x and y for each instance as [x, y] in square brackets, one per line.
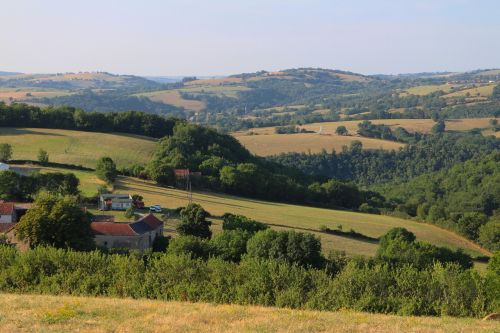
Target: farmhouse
[138, 235]
[115, 201]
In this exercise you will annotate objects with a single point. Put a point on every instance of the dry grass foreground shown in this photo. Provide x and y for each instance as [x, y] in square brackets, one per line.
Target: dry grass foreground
[36, 313]
[77, 147]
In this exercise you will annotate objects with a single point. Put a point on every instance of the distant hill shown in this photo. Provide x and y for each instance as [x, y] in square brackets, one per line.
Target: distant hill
[71, 81]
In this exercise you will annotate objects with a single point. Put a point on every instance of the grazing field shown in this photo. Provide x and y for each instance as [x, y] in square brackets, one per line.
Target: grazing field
[301, 218]
[173, 97]
[77, 147]
[412, 125]
[264, 141]
[428, 89]
[42, 313]
[481, 91]
[13, 94]
[221, 91]
[272, 144]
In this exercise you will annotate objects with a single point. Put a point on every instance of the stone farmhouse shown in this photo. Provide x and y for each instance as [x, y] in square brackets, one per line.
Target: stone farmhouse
[138, 235]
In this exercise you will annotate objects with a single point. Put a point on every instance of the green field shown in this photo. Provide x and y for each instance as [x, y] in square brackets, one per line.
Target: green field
[277, 215]
[77, 147]
[41, 313]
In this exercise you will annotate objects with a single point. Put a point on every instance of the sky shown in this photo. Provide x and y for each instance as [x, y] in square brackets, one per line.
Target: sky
[221, 37]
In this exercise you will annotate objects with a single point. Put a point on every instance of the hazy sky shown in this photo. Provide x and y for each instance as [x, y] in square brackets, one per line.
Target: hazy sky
[214, 37]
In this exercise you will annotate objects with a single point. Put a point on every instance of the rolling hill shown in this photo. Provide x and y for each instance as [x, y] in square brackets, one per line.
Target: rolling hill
[77, 147]
[264, 141]
[277, 215]
[41, 313]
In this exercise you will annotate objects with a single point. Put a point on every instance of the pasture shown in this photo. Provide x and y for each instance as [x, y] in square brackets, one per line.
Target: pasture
[25, 94]
[173, 97]
[43, 313]
[272, 144]
[411, 125]
[300, 218]
[428, 89]
[77, 147]
[480, 91]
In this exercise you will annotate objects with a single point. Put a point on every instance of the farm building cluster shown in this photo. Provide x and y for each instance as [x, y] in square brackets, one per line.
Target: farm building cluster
[138, 235]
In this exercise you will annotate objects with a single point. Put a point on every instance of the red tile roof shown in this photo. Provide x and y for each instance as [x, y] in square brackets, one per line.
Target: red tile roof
[141, 226]
[152, 221]
[6, 208]
[112, 229]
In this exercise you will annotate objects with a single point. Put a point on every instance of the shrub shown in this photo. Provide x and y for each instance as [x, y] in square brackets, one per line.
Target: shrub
[240, 222]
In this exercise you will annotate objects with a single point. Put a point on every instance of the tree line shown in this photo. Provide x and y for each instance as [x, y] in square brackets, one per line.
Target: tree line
[133, 122]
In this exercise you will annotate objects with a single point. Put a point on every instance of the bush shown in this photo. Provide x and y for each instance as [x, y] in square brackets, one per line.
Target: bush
[194, 222]
[230, 244]
[489, 235]
[288, 246]
[240, 222]
[193, 246]
[106, 170]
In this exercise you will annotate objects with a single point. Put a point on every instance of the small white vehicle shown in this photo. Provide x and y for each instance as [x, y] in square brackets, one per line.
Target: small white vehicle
[155, 208]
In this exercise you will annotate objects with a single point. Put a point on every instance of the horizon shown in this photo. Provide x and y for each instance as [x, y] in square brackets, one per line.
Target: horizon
[220, 38]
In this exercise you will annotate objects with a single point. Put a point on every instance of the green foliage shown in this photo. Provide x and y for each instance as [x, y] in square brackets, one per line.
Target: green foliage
[240, 222]
[398, 247]
[43, 157]
[64, 117]
[194, 222]
[439, 127]
[58, 222]
[5, 152]
[230, 244]
[129, 213]
[341, 130]
[470, 223]
[303, 249]
[291, 129]
[434, 290]
[14, 186]
[489, 235]
[193, 246]
[106, 170]
[161, 172]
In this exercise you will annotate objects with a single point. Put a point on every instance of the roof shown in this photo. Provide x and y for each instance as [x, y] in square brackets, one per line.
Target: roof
[6, 208]
[116, 196]
[181, 172]
[6, 227]
[145, 224]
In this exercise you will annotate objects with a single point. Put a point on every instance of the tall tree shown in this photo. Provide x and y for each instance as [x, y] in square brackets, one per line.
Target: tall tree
[194, 222]
[106, 169]
[56, 221]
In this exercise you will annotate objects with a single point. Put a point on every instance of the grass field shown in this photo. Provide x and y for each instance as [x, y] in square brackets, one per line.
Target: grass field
[271, 144]
[481, 91]
[173, 97]
[77, 147]
[264, 141]
[221, 91]
[277, 215]
[15, 94]
[301, 218]
[428, 89]
[41, 313]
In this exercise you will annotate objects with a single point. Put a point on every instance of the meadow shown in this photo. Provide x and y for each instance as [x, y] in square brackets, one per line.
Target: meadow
[300, 218]
[173, 97]
[77, 147]
[264, 141]
[272, 144]
[42, 313]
